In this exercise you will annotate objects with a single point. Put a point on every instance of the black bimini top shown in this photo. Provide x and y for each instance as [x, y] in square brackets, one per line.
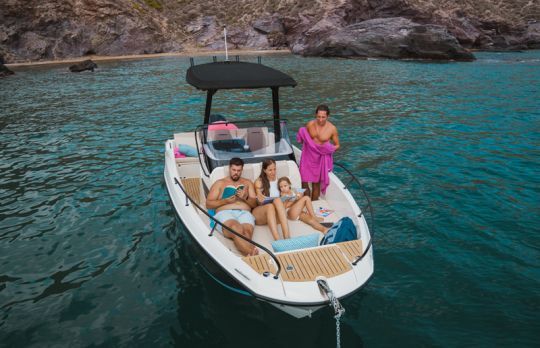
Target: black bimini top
[230, 75]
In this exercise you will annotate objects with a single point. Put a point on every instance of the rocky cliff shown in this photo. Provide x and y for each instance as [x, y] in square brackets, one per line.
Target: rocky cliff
[434, 29]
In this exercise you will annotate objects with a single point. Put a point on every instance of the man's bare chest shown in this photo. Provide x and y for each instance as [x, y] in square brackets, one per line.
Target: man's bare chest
[320, 134]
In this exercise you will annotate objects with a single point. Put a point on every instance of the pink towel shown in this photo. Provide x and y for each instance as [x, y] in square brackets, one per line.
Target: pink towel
[316, 160]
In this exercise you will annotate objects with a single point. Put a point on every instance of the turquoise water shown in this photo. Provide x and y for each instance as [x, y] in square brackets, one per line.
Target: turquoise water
[92, 255]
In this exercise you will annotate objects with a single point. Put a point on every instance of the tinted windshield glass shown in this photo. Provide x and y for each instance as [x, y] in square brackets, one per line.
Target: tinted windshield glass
[224, 140]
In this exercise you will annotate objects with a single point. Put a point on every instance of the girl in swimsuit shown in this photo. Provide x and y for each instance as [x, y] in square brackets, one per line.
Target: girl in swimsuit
[295, 207]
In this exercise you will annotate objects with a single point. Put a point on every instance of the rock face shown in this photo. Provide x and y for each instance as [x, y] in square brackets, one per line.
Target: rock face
[48, 29]
[34, 30]
[83, 66]
[395, 38]
[272, 27]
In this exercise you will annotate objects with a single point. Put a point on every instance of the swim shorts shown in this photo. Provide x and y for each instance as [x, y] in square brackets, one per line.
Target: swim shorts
[242, 216]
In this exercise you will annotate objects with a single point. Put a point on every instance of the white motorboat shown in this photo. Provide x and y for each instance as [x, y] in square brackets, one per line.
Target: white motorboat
[296, 281]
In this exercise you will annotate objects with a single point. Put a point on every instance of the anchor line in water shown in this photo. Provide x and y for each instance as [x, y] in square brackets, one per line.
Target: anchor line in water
[334, 302]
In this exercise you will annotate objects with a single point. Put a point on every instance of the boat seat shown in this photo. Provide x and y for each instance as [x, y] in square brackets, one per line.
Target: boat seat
[257, 138]
[290, 170]
[226, 134]
[263, 236]
[297, 228]
[253, 170]
[221, 134]
[186, 139]
[228, 243]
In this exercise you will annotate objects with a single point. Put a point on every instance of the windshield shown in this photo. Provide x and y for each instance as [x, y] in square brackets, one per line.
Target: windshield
[252, 141]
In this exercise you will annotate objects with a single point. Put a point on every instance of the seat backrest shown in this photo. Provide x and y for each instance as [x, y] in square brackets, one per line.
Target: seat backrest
[283, 168]
[184, 138]
[221, 134]
[257, 138]
[290, 170]
[251, 171]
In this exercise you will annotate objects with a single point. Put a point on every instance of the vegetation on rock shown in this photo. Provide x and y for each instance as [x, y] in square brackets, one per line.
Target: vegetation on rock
[154, 4]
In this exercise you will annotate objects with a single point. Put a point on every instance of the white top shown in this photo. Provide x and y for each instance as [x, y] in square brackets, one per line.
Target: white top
[274, 190]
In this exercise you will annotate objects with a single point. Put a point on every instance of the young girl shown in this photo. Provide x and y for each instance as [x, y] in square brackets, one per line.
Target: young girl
[295, 207]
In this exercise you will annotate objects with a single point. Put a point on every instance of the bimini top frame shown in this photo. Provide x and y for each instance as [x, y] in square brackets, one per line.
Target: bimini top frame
[237, 75]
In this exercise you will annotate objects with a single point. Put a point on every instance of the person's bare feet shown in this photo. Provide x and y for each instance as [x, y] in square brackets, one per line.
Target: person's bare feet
[253, 252]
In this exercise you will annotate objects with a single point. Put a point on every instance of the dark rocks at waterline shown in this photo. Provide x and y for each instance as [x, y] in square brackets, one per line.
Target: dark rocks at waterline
[532, 36]
[83, 66]
[393, 38]
[4, 71]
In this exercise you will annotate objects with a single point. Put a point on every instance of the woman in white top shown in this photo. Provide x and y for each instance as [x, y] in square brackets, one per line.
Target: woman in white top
[266, 186]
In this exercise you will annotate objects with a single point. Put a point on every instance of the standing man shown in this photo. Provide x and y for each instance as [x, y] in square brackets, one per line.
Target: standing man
[234, 208]
[319, 142]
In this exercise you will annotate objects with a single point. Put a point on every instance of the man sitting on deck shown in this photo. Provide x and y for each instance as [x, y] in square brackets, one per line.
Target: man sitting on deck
[233, 198]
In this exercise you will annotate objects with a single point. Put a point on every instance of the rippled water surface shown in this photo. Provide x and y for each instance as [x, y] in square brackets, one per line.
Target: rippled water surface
[91, 253]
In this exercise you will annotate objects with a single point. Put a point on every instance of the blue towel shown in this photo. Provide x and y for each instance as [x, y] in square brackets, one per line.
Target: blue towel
[302, 242]
[188, 150]
[212, 212]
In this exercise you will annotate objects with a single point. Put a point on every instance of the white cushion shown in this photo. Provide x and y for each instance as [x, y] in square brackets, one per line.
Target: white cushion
[251, 171]
[185, 138]
[290, 170]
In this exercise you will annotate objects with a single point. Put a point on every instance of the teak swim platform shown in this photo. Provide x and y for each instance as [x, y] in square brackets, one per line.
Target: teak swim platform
[307, 265]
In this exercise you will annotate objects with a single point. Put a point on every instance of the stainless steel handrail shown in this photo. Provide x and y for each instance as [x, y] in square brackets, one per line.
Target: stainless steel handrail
[199, 154]
[276, 276]
[368, 205]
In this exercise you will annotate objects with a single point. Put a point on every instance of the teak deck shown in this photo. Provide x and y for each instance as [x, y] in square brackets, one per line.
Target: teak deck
[307, 265]
[193, 188]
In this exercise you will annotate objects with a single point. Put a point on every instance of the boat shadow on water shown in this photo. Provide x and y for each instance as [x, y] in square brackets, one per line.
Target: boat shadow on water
[212, 313]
